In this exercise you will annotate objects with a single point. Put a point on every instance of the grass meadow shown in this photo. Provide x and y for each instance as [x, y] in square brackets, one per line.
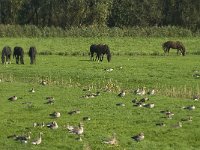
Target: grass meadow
[136, 62]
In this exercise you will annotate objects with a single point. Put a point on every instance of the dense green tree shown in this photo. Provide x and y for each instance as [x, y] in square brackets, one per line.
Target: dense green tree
[112, 13]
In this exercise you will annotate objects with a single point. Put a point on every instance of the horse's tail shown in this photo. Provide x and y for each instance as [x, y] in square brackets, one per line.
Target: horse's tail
[108, 53]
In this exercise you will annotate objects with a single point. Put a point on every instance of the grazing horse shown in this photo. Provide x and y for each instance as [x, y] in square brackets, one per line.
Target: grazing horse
[19, 55]
[100, 51]
[32, 54]
[174, 45]
[6, 54]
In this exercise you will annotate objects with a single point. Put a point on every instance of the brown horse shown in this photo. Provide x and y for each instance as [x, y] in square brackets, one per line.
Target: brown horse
[174, 45]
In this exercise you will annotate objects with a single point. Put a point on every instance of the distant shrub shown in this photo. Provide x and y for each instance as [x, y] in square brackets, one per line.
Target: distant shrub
[45, 53]
[94, 31]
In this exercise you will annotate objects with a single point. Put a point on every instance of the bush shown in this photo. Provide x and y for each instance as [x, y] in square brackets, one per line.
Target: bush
[94, 31]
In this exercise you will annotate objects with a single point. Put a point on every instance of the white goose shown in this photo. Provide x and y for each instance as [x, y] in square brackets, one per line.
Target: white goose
[38, 140]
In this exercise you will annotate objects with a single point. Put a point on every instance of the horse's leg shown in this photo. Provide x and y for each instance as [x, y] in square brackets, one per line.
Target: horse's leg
[17, 59]
[21, 60]
[102, 57]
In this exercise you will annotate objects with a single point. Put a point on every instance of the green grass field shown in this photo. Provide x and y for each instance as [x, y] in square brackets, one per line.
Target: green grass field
[172, 76]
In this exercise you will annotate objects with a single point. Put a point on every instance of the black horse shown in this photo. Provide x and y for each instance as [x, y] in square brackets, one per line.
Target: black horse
[19, 55]
[100, 51]
[6, 55]
[174, 45]
[32, 54]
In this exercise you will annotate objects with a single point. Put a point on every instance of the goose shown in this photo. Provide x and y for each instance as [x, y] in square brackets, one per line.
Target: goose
[112, 140]
[50, 98]
[21, 138]
[178, 125]
[151, 92]
[196, 97]
[161, 124]
[139, 137]
[187, 119]
[55, 114]
[86, 119]
[50, 101]
[44, 82]
[192, 107]
[134, 100]
[169, 114]
[52, 125]
[32, 90]
[120, 104]
[141, 91]
[74, 112]
[122, 93]
[76, 130]
[35, 124]
[38, 140]
[143, 100]
[151, 105]
[13, 98]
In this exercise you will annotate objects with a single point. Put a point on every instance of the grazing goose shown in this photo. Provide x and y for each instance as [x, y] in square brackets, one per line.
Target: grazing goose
[139, 137]
[44, 82]
[52, 125]
[187, 119]
[32, 90]
[50, 98]
[143, 100]
[192, 107]
[13, 98]
[141, 91]
[49, 101]
[150, 105]
[151, 92]
[161, 124]
[21, 138]
[35, 124]
[76, 130]
[86, 119]
[38, 140]
[112, 140]
[120, 104]
[196, 97]
[169, 114]
[91, 95]
[178, 125]
[134, 100]
[74, 112]
[122, 93]
[55, 114]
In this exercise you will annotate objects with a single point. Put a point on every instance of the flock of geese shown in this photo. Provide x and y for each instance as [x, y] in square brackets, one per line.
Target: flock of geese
[79, 130]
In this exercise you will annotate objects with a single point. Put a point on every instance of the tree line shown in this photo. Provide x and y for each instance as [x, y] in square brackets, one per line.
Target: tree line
[109, 13]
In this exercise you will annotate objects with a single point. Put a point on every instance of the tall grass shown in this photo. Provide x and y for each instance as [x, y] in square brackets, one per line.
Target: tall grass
[34, 31]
